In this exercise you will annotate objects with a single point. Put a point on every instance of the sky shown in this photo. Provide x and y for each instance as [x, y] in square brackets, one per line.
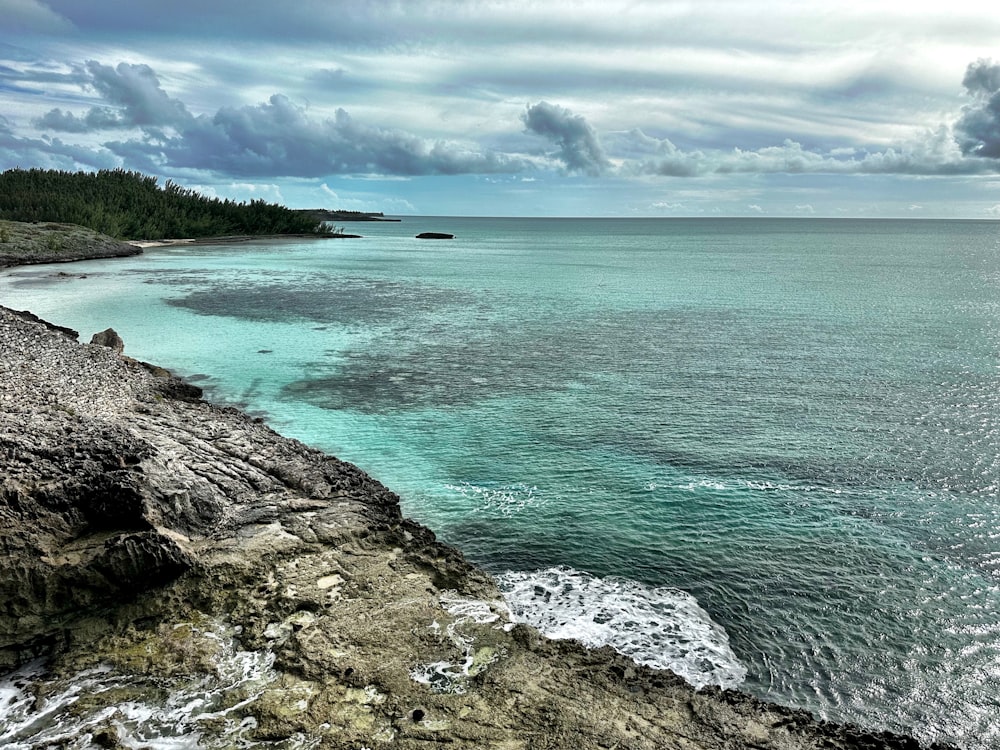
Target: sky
[855, 108]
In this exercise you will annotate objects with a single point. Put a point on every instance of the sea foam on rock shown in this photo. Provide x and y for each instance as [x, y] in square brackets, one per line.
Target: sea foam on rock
[137, 523]
[659, 627]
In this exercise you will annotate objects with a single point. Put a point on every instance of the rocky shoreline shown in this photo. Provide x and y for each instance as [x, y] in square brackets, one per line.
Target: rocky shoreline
[48, 242]
[149, 536]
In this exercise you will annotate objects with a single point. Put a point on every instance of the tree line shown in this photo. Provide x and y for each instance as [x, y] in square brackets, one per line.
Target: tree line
[131, 205]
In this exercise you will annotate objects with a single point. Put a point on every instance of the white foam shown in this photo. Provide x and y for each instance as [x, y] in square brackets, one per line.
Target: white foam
[178, 722]
[449, 677]
[505, 499]
[662, 628]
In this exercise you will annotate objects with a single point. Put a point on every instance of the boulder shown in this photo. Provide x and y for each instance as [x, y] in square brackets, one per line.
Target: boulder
[109, 338]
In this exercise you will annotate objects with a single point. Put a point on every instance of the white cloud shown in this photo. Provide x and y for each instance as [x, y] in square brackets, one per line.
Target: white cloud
[254, 191]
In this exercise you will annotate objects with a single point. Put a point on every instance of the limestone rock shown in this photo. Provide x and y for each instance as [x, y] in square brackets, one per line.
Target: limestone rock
[109, 338]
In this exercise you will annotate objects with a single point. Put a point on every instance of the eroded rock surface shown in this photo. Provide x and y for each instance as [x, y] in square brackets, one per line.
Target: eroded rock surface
[137, 523]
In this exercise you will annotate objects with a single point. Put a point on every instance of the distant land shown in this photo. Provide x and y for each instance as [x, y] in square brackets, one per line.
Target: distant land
[324, 214]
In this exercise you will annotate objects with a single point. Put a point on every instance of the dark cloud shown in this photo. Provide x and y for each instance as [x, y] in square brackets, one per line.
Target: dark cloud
[137, 91]
[978, 129]
[579, 147]
[49, 153]
[275, 138]
[278, 138]
[136, 97]
[97, 118]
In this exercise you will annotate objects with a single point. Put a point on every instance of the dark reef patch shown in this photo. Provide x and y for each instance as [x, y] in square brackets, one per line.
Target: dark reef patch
[326, 301]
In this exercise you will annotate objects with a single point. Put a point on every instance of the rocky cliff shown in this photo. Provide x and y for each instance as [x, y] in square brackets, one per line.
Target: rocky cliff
[186, 572]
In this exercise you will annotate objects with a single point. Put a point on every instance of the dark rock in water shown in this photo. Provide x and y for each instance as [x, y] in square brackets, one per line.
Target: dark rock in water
[137, 523]
[435, 236]
[109, 338]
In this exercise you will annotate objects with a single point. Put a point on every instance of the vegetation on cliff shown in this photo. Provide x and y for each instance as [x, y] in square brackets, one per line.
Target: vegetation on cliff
[131, 205]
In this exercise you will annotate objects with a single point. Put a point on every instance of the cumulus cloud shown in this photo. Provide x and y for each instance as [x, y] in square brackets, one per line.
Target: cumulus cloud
[978, 128]
[274, 138]
[936, 153]
[580, 149]
[134, 94]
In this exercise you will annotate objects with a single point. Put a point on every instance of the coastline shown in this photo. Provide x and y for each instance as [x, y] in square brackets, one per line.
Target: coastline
[217, 503]
[23, 243]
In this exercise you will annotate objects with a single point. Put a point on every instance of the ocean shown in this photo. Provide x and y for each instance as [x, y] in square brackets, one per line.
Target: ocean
[764, 453]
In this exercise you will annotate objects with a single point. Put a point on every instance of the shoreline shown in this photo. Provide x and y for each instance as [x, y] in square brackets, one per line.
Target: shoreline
[239, 239]
[212, 534]
[36, 243]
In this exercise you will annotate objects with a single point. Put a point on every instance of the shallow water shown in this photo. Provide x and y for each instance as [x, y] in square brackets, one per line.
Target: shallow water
[728, 447]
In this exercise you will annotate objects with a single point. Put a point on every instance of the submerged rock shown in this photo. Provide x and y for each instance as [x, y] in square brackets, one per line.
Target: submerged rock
[185, 569]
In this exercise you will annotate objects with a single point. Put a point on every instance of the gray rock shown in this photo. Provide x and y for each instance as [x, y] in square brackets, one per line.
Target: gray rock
[109, 338]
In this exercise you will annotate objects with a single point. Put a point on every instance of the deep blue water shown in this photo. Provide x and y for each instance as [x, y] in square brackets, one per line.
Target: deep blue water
[764, 453]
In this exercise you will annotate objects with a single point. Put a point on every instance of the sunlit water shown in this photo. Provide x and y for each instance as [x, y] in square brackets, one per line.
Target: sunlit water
[760, 452]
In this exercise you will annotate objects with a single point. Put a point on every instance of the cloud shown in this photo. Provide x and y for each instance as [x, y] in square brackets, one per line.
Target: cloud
[97, 118]
[755, 208]
[30, 17]
[135, 96]
[580, 149]
[137, 91]
[50, 153]
[269, 192]
[271, 139]
[936, 153]
[978, 128]
[157, 132]
[278, 138]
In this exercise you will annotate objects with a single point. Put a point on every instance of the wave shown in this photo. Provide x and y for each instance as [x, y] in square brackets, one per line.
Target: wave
[659, 627]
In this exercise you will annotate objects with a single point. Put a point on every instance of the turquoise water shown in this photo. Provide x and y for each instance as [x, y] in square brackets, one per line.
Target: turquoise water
[764, 453]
